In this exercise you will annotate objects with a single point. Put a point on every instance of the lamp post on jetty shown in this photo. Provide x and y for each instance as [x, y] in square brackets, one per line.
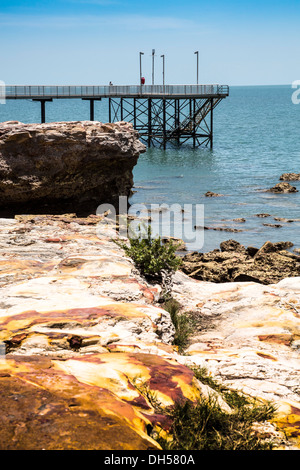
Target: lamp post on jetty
[141, 53]
[153, 55]
[163, 58]
[197, 53]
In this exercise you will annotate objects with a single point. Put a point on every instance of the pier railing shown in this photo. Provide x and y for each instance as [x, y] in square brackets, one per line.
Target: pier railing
[73, 91]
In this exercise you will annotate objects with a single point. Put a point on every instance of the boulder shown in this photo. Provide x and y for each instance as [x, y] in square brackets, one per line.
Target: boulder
[271, 263]
[212, 194]
[66, 166]
[290, 177]
[283, 188]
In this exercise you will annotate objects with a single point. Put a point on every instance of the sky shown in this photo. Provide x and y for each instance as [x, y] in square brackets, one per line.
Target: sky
[92, 42]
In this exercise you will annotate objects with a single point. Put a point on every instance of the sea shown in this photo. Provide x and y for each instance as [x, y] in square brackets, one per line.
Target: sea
[256, 140]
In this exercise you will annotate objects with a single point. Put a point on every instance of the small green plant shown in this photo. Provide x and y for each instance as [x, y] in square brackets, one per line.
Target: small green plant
[143, 388]
[205, 426]
[149, 255]
[182, 322]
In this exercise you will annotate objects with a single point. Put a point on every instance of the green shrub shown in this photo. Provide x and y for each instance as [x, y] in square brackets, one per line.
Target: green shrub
[205, 426]
[150, 256]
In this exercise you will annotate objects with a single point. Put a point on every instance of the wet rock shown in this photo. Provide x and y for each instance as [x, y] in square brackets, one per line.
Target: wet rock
[290, 177]
[273, 225]
[283, 188]
[212, 194]
[283, 219]
[218, 229]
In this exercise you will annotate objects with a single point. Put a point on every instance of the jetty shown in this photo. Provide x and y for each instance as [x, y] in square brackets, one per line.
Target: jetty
[161, 114]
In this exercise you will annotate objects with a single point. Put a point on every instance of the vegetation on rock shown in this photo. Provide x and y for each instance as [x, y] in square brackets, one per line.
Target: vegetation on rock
[204, 425]
[150, 255]
[183, 324]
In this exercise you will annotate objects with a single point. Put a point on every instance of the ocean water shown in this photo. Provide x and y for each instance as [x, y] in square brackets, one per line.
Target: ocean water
[256, 139]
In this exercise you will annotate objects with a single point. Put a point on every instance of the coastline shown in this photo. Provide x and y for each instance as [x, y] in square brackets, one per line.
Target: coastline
[79, 318]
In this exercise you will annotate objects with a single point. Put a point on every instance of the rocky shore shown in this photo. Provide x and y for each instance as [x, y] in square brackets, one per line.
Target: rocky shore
[85, 343]
[234, 262]
[65, 166]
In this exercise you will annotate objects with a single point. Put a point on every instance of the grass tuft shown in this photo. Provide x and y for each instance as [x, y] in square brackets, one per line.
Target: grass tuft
[182, 322]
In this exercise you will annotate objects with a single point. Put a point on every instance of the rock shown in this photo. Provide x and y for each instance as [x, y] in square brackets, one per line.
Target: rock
[269, 247]
[66, 166]
[83, 341]
[273, 225]
[246, 336]
[266, 265]
[290, 177]
[218, 229]
[178, 242]
[86, 350]
[232, 245]
[283, 188]
[263, 215]
[251, 250]
[211, 194]
[283, 219]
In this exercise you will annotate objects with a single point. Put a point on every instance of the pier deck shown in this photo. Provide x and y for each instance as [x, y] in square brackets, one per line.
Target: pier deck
[161, 113]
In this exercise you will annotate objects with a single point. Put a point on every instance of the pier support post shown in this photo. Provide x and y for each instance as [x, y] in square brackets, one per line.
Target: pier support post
[175, 120]
[164, 123]
[121, 104]
[92, 106]
[193, 123]
[211, 122]
[43, 108]
[149, 121]
[134, 112]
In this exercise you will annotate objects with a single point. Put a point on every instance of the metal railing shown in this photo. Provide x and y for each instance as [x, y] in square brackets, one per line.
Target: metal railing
[73, 91]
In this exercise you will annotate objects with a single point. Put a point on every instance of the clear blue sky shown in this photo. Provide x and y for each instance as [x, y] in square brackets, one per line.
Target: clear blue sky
[95, 41]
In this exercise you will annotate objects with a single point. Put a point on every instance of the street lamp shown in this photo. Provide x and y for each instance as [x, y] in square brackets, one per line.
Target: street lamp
[197, 53]
[163, 68]
[153, 54]
[141, 53]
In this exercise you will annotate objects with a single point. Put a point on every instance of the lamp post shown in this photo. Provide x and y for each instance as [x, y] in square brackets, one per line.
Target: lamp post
[153, 54]
[197, 53]
[163, 57]
[141, 53]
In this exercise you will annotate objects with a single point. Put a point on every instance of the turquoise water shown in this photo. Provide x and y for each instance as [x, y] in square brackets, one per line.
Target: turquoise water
[256, 139]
